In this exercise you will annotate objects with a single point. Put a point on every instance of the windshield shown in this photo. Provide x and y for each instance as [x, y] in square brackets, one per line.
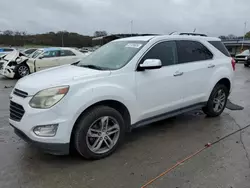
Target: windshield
[35, 54]
[113, 55]
[246, 52]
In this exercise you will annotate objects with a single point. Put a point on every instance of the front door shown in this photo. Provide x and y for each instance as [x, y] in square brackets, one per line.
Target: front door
[47, 60]
[160, 90]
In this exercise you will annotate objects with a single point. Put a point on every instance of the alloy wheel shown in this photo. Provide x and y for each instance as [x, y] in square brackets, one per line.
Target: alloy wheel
[103, 134]
[219, 100]
[23, 71]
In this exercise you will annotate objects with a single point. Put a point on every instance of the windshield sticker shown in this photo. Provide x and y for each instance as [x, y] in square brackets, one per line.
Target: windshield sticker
[133, 45]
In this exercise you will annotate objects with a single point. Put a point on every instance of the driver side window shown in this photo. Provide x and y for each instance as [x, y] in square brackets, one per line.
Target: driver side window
[49, 54]
[165, 51]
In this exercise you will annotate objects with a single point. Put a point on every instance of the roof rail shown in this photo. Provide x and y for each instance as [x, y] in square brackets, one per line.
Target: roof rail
[193, 34]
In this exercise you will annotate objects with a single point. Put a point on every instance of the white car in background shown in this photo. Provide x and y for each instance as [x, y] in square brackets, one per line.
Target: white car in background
[242, 56]
[41, 59]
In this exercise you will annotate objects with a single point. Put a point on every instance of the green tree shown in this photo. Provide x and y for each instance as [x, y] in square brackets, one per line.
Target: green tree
[247, 35]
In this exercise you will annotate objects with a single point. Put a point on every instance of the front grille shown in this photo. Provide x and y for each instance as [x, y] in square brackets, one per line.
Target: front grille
[20, 93]
[16, 111]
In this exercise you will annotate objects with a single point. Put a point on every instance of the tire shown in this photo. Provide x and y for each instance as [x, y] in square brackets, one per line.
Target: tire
[85, 138]
[22, 70]
[210, 108]
[246, 65]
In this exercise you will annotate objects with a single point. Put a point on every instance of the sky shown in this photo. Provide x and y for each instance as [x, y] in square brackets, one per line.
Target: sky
[212, 17]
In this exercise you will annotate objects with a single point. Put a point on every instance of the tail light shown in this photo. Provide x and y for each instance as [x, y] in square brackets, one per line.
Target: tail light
[233, 63]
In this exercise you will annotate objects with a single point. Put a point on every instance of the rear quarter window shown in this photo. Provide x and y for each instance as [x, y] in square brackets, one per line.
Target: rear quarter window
[221, 47]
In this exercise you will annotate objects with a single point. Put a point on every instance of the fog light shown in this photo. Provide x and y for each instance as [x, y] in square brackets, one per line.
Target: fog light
[46, 130]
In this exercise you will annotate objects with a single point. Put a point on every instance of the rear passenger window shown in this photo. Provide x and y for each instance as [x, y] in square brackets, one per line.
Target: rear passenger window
[190, 51]
[67, 53]
[220, 47]
[165, 51]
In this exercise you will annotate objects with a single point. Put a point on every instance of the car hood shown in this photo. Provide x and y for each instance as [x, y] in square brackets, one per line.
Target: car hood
[58, 76]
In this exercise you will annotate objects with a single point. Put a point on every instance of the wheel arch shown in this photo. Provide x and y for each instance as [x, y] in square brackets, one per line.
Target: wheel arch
[22, 63]
[117, 105]
[226, 82]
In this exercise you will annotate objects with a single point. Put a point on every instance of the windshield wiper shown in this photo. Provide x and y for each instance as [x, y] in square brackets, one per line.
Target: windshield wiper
[93, 67]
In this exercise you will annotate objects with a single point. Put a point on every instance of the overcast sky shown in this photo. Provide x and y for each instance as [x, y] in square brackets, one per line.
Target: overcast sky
[213, 17]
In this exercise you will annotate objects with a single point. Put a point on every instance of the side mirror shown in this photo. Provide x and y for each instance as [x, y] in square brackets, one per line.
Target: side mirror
[40, 57]
[150, 64]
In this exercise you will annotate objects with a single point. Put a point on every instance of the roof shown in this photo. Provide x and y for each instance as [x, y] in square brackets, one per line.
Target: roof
[162, 37]
[139, 38]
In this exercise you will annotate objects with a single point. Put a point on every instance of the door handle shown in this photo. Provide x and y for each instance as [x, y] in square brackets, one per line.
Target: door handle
[211, 66]
[178, 73]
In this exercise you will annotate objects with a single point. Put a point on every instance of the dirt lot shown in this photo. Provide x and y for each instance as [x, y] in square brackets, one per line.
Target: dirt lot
[147, 152]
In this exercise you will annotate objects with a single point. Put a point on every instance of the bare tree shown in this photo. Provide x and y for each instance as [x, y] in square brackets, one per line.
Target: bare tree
[100, 33]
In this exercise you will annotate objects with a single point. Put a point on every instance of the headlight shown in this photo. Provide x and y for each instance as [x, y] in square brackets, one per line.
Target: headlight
[246, 58]
[48, 97]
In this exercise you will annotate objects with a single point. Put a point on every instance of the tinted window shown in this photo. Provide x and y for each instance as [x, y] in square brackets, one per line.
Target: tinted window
[190, 51]
[52, 53]
[29, 51]
[165, 51]
[66, 53]
[7, 50]
[220, 47]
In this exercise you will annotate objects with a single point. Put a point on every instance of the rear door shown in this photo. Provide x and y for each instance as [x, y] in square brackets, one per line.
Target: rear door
[47, 60]
[196, 63]
[67, 57]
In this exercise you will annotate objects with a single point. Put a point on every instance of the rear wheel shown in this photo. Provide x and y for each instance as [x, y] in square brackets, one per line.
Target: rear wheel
[22, 70]
[99, 132]
[217, 101]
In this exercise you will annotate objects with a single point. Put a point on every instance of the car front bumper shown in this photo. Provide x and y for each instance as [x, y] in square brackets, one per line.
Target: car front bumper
[31, 118]
[52, 148]
[7, 72]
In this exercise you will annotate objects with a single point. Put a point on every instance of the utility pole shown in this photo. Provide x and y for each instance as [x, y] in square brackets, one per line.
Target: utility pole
[131, 27]
[245, 26]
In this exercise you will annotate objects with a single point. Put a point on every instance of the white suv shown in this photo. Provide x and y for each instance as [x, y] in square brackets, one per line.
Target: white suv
[127, 83]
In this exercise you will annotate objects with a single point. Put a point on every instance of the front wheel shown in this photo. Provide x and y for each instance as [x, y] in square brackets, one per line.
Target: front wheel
[217, 101]
[246, 65]
[22, 70]
[99, 132]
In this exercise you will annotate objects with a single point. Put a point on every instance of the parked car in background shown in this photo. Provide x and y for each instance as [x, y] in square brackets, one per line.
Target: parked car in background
[18, 65]
[125, 84]
[28, 51]
[5, 51]
[10, 63]
[242, 56]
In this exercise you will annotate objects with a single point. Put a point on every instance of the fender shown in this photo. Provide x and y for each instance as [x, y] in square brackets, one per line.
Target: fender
[88, 96]
[220, 73]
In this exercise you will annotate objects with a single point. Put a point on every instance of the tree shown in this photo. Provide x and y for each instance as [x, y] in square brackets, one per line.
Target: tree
[247, 35]
[222, 37]
[231, 36]
[100, 33]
